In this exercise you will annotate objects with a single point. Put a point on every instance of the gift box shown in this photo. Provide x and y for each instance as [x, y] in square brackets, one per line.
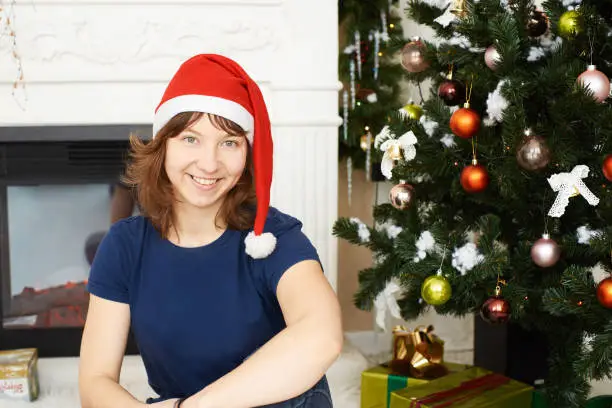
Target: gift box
[377, 383]
[471, 388]
[18, 374]
[600, 401]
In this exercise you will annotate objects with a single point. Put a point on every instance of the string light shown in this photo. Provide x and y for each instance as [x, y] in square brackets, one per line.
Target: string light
[391, 25]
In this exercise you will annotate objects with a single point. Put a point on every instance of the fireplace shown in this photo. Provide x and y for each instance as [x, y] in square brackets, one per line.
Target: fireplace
[56, 188]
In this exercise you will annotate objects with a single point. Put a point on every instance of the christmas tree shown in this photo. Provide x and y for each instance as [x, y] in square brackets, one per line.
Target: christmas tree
[501, 203]
[371, 36]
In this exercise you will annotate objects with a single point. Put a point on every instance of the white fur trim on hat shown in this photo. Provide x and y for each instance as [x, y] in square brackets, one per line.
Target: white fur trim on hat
[260, 246]
[203, 103]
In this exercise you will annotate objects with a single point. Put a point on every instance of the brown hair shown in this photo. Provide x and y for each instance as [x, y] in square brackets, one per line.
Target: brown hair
[146, 172]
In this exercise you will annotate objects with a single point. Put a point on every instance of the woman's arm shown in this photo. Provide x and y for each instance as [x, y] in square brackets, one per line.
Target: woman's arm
[102, 349]
[296, 358]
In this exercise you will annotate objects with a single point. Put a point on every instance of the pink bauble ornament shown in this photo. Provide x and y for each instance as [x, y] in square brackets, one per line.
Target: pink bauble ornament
[401, 196]
[533, 153]
[596, 81]
[413, 56]
[492, 57]
[545, 252]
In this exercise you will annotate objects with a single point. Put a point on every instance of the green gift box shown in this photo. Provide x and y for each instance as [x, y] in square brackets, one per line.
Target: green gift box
[471, 388]
[377, 384]
[601, 401]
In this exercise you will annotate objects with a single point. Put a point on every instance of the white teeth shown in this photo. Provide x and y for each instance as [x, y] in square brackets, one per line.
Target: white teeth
[204, 181]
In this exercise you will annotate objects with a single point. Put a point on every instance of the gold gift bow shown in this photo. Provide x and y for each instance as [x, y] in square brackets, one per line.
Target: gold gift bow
[418, 353]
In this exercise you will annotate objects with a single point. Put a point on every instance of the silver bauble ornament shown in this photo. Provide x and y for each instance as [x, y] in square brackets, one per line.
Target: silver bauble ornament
[545, 252]
[492, 57]
[596, 81]
[532, 153]
[401, 196]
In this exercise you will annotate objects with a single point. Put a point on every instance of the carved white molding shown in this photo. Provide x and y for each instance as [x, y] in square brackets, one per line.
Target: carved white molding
[112, 42]
[212, 3]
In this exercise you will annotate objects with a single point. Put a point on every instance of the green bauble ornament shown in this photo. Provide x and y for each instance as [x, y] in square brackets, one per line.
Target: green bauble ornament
[413, 111]
[436, 290]
[570, 24]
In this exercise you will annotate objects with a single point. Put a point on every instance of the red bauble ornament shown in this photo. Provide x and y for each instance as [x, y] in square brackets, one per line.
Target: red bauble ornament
[495, 310]
[537, 24]
[474, 178]
[606, 168]
[452, 92]
[604, 293]
[465, 122]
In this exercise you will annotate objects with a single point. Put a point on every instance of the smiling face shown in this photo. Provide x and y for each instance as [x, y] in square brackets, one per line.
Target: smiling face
[204, 163]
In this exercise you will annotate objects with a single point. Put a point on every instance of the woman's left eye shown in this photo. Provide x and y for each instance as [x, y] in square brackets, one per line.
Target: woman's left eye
[230, 143]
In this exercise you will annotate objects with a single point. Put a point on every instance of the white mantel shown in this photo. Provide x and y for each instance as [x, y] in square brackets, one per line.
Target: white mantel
[107, 62]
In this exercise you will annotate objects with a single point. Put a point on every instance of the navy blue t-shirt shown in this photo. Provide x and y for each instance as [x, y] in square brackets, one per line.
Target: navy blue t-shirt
[197, 313]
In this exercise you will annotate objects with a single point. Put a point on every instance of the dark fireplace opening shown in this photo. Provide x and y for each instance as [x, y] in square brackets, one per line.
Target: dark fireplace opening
[57, 188]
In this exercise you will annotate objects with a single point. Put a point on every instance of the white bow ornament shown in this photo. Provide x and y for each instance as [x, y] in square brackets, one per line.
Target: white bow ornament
[566, 184]
[406, 143]
[448, 17]
[387, 300]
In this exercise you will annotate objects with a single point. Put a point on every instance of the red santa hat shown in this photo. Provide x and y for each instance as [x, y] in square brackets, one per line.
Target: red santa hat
[217, 85]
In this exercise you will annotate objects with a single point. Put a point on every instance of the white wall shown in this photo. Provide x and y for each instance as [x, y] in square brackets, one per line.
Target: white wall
[108, 61]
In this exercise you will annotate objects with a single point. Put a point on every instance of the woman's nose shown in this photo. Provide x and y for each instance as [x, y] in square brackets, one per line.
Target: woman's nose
[208, 160]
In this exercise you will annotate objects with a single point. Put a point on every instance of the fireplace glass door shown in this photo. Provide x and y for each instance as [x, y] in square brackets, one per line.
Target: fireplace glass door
[53, 232]
[59, 194]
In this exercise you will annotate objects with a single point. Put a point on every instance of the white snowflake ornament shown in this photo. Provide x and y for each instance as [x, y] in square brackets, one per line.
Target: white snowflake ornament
[466, 258]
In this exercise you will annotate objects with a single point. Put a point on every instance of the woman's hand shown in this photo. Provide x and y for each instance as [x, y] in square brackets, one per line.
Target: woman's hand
[188, 403]
[169, 403]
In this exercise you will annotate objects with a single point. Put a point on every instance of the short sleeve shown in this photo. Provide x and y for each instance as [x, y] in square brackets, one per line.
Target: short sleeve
[110, 270]
[292, 247]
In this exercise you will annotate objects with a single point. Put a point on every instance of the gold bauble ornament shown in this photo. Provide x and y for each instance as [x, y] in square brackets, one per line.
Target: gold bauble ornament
[363, 142]
[570, 24]
[436, 290]
[575, 193]
[459, 8]
[394, 152]
[413, 111]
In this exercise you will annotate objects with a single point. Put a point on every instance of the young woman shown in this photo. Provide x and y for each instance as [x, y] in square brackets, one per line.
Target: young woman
[225, 295]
